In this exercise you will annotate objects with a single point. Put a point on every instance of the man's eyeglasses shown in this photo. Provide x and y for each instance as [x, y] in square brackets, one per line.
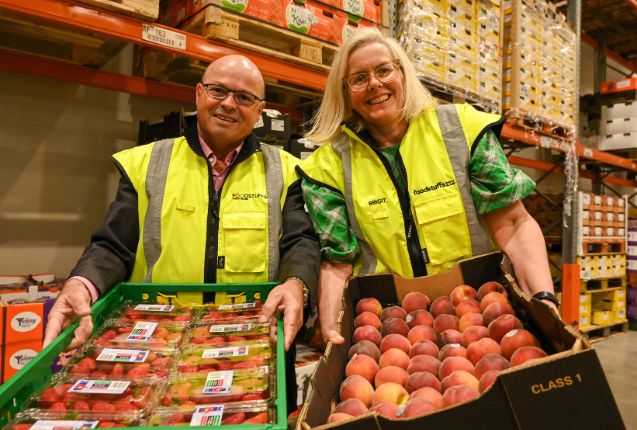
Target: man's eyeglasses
[384, 73]
[241, 97]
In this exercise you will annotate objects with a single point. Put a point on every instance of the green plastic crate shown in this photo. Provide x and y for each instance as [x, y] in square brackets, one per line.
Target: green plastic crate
[37, 372]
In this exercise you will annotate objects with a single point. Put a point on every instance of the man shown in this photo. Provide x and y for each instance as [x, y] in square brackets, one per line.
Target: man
[211, 206]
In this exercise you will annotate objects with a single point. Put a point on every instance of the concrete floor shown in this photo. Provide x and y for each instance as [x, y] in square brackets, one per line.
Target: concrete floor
[618, 355]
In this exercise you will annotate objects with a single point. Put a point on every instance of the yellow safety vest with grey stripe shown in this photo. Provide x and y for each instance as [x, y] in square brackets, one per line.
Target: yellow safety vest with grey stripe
[172, 184]
[435, 152]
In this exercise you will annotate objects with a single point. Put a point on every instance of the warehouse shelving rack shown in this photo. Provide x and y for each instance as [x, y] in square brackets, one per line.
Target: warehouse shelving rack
[84, 19]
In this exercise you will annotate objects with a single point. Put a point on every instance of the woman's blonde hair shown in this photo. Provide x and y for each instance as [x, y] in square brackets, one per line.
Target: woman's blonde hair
[335, 108]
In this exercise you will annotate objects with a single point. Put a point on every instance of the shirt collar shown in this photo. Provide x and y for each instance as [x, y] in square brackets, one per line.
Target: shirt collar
[207, 152]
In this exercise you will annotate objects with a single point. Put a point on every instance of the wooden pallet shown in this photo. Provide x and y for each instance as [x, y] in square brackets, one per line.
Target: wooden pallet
[534, 123]
[449, 93]
[602, 284]
[603, 246]
[215, 23]
[143, 9]
[596, 333]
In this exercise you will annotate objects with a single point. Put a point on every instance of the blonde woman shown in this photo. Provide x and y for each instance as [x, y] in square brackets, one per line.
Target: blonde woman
[406, 186]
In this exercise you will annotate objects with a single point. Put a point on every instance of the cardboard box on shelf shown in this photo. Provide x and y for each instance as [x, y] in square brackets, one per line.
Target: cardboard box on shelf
[16, 355]
[23, 322]
[568, 389]
[313, 19]
[270, 11]
[619, 111]
[273, 126]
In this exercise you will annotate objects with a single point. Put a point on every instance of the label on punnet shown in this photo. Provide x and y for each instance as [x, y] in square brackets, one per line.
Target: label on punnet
[142, 331]
[230, 351]
[207, 415]
[237, 306]
[90, 386]
[154, 308]
[218, 382]
[63, 424]
[123, 355]
[225, 328]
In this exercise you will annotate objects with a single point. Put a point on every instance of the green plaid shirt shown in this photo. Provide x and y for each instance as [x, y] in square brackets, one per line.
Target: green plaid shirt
[494, 185]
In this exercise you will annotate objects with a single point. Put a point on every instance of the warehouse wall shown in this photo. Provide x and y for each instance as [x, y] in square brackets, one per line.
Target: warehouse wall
[56, 174]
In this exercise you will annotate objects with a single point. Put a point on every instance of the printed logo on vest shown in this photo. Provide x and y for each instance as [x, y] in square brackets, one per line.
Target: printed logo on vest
[440, 184]
[377, 201]
[221, 262]
[248, 196]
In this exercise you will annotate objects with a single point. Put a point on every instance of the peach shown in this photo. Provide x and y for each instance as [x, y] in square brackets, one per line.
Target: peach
[526, 353]
[362, 365]
[481, 347]
[364, 347]
[392, 393]
[337, 417]
[430, 394]
[490, 362]
[419, 317]
[367, 318]
[418, 407]
[473, 333]
[424, 363]
[502, 325]
[424, 347]
[386, 409]
[393, 312]
[444, 322]
[449, 336]
[469, 319]
[421, 333]
[496, 309]
[454, 363]
[452, 350]
[395, 341]
[353, 407]
[459, 377]
[414, 301]
[369, 304]
[515, 339]
[442, 305]
[394, 325]
[419, 380]
[459, 394]
[367, 332]
[489, 287]
[461, 293]
[487, 379]
[469, 305]
[391, 374]
[394, 357]
[357, 387]
[492, 298]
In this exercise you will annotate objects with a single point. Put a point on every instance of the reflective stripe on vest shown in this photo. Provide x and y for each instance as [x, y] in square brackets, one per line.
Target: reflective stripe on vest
[274, 185]
[155, 186]
[458, 150]
[368, 258]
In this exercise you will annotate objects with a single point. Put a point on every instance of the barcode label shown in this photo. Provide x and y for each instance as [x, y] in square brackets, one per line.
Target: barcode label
[230, 351]
[155, 308]
[90, 386]
[207, 415]
[218, 382]
[123, 355]
[237, 306]
[163, 36]
[142, 331]
[226, 328]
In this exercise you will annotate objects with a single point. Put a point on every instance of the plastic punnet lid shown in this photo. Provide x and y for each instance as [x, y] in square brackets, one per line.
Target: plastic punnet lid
[243, 355]
[139, 311]
[117, 333]
[66, 395]
[50, 420]
[238, 312]
[99, 362]
[221, 334]
[213, 414]
[220, 386]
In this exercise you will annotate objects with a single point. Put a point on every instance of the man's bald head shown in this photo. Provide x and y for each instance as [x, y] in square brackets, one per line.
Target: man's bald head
[236, 64]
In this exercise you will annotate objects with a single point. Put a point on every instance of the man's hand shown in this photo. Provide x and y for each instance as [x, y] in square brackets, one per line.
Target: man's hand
[73, 302]
[287, 297]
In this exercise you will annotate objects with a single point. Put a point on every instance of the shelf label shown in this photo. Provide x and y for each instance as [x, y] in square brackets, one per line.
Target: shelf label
[547, 142]
[163, 36]
[588, 152]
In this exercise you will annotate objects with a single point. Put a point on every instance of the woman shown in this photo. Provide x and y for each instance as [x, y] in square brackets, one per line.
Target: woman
[404, 186]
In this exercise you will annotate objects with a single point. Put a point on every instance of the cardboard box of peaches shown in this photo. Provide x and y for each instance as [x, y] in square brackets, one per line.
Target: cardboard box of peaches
[422, 366]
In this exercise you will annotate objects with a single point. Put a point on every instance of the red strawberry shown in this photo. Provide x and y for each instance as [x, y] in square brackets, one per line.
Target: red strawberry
[234, 418]
[198, 340]
[260, 418]
[87, 362]
[81, 405]
[184, 317]
[50, 395]
[21, 426]
[139, 371]
[161, 373]
[253, 396]
[106, 424]
[98, 374]
[177, 418]
[166, 400]
[186, 368]
[161, 332]
[235, 338]
[58, 406]
[160, 362]
[124, 405]
[108, 335]
[102, 406]
[118, 370]
[80, 370]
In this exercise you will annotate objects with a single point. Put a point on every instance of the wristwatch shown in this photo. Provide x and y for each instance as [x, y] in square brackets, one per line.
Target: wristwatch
[545, 295]
[306, 290]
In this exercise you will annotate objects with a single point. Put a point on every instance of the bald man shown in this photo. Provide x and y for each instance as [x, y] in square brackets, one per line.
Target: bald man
[212, 206]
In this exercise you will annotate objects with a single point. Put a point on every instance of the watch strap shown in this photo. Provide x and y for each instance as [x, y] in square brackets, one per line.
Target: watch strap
[546, 295]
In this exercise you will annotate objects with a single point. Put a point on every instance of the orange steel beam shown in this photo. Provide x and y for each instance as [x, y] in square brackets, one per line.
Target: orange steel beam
[130, 29]
[22, 63]
[570, 294]
[630, 65]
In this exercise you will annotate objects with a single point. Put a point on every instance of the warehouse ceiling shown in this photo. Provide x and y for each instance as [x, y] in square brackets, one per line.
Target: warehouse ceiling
[612, 23]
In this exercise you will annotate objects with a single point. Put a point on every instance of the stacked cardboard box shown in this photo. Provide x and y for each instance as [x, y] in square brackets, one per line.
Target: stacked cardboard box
[618, 126]
[539, 62]
[455, 43]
